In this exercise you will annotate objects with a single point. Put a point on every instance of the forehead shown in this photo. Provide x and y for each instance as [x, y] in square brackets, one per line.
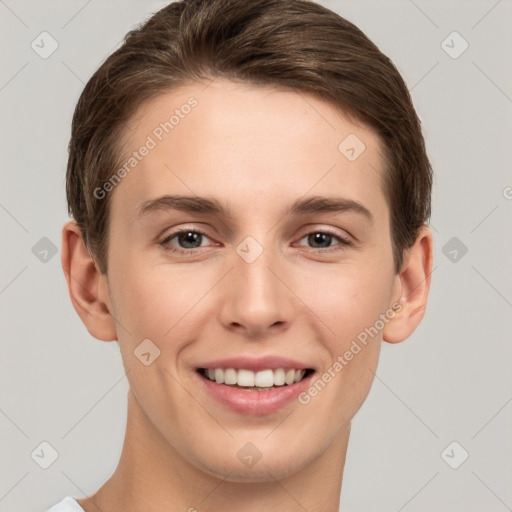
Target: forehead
[251, 144]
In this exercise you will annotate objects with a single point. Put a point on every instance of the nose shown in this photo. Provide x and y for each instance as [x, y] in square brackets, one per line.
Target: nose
[256, 298]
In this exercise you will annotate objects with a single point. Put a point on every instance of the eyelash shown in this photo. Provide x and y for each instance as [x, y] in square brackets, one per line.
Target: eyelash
[165, 242]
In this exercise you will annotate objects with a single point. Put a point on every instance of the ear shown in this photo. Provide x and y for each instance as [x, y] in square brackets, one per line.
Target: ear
[414, 279]
[87, 286]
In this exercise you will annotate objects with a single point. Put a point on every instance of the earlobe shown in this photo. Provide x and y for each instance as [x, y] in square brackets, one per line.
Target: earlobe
[415, 277]
[88, 288]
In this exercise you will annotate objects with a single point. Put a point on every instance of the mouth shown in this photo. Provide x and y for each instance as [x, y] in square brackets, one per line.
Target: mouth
[255, 392]
[262, 380]
[254, 386]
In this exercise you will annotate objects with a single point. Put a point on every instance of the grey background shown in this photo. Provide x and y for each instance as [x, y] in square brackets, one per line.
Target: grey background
[451, 381]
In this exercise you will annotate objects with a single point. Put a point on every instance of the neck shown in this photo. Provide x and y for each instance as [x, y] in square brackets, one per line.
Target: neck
[151, 474]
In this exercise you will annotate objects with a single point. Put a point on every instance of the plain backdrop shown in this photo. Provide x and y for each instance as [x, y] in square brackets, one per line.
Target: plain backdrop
[443, 395]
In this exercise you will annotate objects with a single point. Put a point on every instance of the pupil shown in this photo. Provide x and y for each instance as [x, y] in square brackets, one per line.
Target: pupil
[185, 238]
[319, 238]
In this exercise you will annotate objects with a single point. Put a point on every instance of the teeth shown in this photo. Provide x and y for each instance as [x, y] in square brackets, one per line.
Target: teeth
[230, 376]
[279, 377]
[248, 378]
[264, 379]
[245, 378]
[219, 375]
[290, 377]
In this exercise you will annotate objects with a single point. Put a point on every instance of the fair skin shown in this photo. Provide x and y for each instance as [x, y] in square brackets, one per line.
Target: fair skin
[257, 150]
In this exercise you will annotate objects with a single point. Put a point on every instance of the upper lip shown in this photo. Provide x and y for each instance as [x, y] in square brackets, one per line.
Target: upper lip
[256, 363]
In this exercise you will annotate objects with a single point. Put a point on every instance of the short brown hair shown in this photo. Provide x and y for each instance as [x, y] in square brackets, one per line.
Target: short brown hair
[291, 44]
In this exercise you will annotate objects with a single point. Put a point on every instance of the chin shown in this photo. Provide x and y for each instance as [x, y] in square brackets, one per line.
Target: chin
[276, 465]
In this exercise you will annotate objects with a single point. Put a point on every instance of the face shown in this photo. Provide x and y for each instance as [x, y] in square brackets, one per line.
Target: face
[265, 277]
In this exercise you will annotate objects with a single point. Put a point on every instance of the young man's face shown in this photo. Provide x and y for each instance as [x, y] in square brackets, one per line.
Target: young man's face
[261, 288]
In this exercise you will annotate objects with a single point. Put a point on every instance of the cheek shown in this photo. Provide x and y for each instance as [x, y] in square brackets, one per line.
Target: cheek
[349, 299]
[157, 302]
[349, 307]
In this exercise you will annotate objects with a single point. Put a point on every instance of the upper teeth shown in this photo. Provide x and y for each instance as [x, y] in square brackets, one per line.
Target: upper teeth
[248, 378]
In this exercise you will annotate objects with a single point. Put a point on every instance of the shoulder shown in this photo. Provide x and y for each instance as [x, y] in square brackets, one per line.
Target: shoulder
[68, 504]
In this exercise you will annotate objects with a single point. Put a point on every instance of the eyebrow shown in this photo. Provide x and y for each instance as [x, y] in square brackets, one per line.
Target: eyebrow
[212, 206]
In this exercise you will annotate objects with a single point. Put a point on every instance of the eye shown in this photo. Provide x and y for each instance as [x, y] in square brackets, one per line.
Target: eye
[324, 239]
[188, 240]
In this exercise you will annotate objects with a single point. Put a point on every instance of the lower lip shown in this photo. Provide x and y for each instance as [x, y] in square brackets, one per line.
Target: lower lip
[255, 402]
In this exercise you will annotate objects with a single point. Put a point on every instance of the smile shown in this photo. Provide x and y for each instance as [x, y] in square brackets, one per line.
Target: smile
[254, 386]
[263, 380]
